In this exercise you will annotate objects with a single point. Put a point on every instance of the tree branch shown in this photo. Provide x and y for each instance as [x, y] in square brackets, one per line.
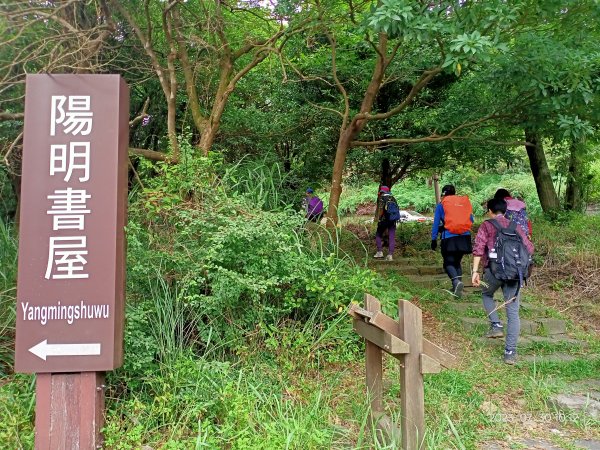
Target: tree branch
[152, 155]
[425, 78]
[141, 115]
[431, 138]
[11, 116]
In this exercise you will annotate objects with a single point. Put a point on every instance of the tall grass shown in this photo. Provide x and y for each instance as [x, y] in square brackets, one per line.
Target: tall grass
[8, 276]
[263, 182]
[171, 324]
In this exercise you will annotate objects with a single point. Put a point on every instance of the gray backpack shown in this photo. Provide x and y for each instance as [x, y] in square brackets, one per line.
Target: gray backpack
[512, 259]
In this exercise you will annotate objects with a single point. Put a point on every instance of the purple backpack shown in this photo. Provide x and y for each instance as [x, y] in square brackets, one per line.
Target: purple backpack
[516, 212]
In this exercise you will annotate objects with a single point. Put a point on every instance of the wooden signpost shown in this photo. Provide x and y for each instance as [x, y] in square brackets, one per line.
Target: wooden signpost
[71, 279]
[403, 339]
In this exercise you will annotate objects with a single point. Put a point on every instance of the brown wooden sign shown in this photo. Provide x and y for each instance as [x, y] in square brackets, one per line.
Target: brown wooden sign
[71, 279]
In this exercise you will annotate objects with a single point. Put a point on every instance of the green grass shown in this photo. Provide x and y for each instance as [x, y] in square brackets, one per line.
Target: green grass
[8, 276]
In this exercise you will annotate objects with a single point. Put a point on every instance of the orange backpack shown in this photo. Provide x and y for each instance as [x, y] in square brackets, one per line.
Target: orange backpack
[457, 213]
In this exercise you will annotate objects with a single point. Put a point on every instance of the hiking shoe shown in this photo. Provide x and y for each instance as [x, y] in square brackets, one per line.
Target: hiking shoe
[389, 258]
[510, 357]
[378, 255]
[495, 331]
[458, 289]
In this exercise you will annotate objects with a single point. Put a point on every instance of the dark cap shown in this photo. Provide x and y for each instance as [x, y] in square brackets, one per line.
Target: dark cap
[448, 190]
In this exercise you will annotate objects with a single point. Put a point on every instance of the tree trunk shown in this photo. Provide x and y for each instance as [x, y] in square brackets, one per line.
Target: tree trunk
[386, 173]
[336, 178]
[573, 195]
[222, 95]
[348, 133]
[287, 156]
[541, 172]
[16, 185]
[172, 125]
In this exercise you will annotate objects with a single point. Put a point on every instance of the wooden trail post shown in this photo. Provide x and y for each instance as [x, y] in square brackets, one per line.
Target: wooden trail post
[71, 276]
[436, 188]
[374, 364]
[403, 339]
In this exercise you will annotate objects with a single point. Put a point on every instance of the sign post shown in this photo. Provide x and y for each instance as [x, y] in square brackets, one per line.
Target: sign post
[71, 279]
[403, 339]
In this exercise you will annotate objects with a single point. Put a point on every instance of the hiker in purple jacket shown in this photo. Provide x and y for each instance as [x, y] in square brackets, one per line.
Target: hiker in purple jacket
[314, 206]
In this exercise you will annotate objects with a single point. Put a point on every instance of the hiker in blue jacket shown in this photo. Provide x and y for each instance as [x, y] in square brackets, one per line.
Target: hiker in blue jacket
[453, 213]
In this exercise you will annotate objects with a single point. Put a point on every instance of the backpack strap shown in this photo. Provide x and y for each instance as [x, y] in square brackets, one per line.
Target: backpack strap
[511, 228]
[496, 224]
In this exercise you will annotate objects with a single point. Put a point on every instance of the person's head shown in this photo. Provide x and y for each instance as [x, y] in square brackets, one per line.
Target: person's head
[496, 206]
[448, 190]
[384, 190]
[501, 194]
[310, 192]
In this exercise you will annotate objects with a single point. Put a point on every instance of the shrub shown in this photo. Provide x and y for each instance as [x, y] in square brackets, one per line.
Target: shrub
[229, 263]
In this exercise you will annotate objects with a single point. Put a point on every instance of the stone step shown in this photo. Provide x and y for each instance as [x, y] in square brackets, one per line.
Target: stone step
[464, 307]
[550, 326]
[539, 444]
[433, 281]
[556, 339]
[550, 358]
[588, 444]
[534, 326]
[528, 341]
[420, 270]
[581, 398]
[401, 261]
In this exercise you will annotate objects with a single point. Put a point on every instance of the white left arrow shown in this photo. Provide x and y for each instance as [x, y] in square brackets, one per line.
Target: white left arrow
[43, 349]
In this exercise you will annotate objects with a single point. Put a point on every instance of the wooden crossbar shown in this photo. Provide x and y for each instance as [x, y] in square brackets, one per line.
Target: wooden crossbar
[429, 348]
[382, 339]
[359, 313]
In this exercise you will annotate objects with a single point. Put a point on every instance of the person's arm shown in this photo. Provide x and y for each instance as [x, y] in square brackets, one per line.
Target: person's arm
[312, 204]
[478, 251]
[437, 217]
[319, 206]
[379, 210]
[475, 279]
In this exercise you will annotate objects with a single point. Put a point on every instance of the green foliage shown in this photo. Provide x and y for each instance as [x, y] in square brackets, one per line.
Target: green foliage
[261, 182]
[594, 182]
[578, 234]
[417, 193]
[8, 278]
[470, 32]
[227, 260]
[17, 406]
[8, 201]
